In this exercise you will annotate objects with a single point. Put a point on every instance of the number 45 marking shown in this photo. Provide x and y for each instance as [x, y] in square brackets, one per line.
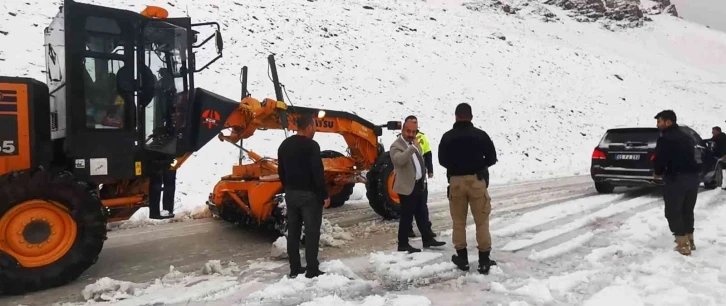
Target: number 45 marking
[8, 147]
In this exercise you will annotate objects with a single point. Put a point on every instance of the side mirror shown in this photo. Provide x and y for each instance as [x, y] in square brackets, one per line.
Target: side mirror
[219, 41]
[393, 125]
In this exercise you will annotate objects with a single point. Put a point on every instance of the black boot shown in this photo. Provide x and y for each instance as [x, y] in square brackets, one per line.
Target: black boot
[432, 243]
[461, 259]
[295, 272]
[485, 263]
[431, 232]
[411, 234]
[313, 273]
[408, 248]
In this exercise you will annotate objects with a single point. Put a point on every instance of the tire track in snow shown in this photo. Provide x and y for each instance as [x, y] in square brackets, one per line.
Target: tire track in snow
[607, 212]
[600, 225]
[510, 201]
[543, 216]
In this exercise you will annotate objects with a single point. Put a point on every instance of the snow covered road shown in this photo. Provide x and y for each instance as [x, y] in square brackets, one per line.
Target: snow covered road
[557, 242]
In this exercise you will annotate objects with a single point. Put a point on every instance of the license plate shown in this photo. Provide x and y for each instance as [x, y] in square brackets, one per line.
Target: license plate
[627, 157]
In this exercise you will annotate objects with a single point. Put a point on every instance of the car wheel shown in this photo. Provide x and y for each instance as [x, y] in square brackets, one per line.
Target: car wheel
[604, 188]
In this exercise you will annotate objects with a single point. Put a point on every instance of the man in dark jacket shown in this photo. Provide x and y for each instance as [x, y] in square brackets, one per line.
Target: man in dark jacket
[467, 153]
[719, 150]
[719, 139]
[675, 162]
[301, 172]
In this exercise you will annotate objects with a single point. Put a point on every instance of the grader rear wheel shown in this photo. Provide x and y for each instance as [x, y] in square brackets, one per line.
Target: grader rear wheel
[52, 228]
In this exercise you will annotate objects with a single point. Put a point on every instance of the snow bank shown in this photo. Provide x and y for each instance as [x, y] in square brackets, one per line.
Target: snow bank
[333, 235]
[399, 270]
[279, 248]
[375, 300]
[174, 287]
[330, 235]
[337, 281]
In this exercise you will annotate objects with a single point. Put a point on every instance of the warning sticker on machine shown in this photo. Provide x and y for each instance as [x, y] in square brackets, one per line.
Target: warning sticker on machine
[99, 166]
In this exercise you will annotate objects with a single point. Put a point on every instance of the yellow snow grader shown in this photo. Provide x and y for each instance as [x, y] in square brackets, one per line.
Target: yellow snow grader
[120, 103]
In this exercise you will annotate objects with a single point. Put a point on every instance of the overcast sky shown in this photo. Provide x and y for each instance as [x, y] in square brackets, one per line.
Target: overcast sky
[707, 12]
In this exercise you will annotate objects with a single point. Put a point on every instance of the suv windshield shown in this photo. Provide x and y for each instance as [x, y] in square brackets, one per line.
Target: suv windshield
[165, 53]
[631, 137]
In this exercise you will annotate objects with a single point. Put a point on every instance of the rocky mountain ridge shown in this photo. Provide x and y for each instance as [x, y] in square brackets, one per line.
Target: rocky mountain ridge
[612, 14]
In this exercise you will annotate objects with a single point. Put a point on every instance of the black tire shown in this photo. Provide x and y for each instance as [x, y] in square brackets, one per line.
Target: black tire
[338, 199]
[84, 207]
[604, 188]
[377, 188]
[717, 180]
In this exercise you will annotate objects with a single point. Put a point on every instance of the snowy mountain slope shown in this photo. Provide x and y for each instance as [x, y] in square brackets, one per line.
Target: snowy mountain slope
[544, 91]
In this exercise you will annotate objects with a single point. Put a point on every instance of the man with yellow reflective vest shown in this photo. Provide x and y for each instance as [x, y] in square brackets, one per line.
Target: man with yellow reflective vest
[428, 161]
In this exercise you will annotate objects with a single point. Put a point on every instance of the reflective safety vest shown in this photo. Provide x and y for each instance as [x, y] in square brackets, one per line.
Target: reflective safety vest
[425, 146]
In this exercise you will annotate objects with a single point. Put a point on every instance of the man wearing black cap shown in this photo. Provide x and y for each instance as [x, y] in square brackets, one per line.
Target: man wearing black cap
[675, 162]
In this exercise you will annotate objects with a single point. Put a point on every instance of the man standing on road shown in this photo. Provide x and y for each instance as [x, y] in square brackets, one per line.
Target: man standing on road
[428, 161]
[301, 172]
[410, 184]
[162, 180]
[467, 153]
[719, 150]
[676, 164]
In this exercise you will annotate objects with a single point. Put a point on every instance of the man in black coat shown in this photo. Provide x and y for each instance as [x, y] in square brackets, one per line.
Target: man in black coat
[719, 139]
[467, 153]
[301, 172]
[719, 149]
[675, 162]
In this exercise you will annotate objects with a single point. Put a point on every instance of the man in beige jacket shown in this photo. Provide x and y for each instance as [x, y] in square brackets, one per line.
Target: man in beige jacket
[410, 183]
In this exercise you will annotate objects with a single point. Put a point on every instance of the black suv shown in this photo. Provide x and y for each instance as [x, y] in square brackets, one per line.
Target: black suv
[625, 156]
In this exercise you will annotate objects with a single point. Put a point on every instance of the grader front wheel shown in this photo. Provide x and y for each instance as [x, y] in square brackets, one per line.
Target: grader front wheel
[37, 233]
[381, 197]
[52, 228]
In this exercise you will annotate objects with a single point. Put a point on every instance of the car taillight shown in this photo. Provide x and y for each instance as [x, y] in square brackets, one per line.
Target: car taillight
[597, 154]
[652, 157]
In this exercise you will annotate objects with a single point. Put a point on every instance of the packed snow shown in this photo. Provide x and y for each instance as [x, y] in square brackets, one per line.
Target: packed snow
[624, 258]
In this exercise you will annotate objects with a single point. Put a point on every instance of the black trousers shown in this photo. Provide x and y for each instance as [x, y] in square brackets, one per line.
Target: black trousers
[680, 195]
[426, 211]
[167, 178]
[303, 207]
[413, 206]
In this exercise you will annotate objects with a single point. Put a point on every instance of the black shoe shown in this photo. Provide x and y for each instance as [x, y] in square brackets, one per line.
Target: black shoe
[461, 260]
[295, 272]
[430, 231]
[408, 248]
[313, 273]
[158, 216]
[432, 243]
[411, 234]
[485, 263]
